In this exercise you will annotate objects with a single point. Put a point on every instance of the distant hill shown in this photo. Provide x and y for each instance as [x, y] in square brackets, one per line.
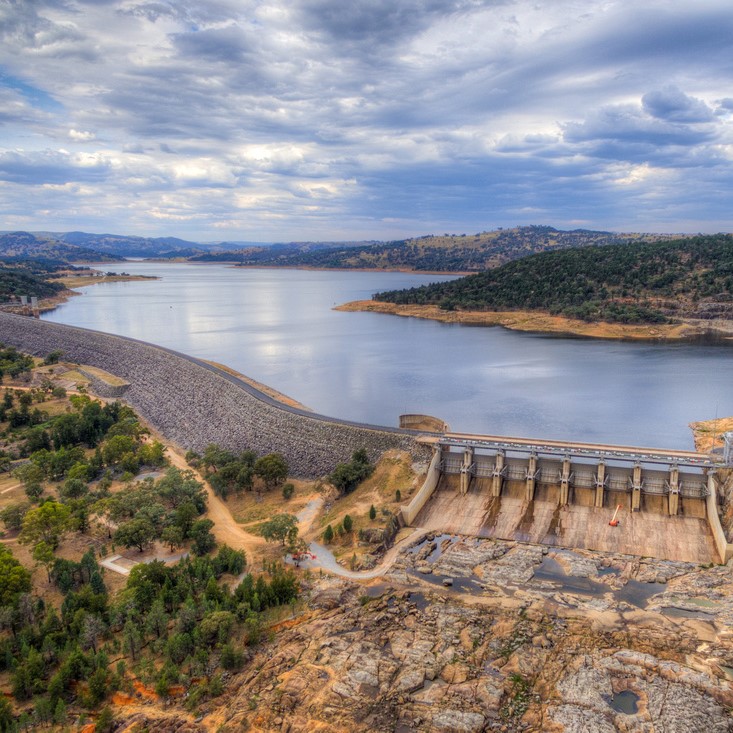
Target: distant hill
[130, 246]
[446, 253]
[285, 254]
[20, 281]
[641, 282]
[21, 246]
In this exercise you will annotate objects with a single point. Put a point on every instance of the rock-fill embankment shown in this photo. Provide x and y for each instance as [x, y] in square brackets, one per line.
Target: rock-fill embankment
[194, 404]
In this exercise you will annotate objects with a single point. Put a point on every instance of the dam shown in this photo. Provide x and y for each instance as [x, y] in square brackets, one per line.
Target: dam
[567, 494]
[549, 492]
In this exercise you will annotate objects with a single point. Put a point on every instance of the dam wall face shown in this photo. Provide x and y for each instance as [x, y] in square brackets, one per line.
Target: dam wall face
[194, 404]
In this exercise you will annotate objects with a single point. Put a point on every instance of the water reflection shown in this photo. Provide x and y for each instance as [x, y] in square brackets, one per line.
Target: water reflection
[277, 326]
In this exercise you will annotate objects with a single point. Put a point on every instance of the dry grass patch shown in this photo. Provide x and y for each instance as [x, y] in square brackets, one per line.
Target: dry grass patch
[393, 473]
[251, 507]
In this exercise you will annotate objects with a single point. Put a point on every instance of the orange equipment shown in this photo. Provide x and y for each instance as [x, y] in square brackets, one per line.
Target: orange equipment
[614, 522]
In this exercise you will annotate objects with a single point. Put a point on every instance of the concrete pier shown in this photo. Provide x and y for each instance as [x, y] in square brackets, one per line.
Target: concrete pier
[674, 490]
[636, 487]
[565, 482]
[600, 485]
[497, 478]
[531, 477]
[466, 470]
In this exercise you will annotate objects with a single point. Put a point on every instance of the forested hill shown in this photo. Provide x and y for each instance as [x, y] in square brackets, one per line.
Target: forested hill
[21, 281]
[446, 253]
[24, 246]
[630, 283]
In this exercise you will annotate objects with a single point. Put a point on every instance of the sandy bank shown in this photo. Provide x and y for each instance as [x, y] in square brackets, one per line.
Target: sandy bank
[539, 322]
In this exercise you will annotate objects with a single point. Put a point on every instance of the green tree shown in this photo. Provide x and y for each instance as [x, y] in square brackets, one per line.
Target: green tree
[138, 533]
[202, 536]
[288, 490]
[48, 523]
[280, 528]
[328, 535]
[348, 523]
[372, 512]
[44, 555]
[272, 469]
[172, 536]
[14, 578]
[12, 516]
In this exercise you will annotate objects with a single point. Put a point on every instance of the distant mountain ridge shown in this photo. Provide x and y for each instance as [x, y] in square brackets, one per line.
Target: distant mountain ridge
[22, 246]
[438, 253]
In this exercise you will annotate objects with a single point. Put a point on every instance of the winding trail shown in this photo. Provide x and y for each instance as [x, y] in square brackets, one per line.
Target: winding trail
[325, 560]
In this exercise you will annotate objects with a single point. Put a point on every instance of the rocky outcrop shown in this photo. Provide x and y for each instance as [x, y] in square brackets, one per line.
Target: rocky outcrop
[194, 404]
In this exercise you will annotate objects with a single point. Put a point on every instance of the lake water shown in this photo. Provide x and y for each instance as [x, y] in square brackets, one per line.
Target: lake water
[278, 327]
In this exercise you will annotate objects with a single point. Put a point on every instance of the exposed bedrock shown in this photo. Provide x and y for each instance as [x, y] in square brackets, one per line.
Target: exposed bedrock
[194, 405]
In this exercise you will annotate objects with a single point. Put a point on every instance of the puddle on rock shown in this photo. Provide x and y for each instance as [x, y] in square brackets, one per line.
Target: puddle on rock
[625, 702]
[378, 590]
[635, 593]
[461, 584]
[676, 612]
[419, 600]
[436, 553]
[551, 570]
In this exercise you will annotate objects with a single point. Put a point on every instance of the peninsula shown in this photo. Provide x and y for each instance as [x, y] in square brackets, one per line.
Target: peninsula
[669, 290]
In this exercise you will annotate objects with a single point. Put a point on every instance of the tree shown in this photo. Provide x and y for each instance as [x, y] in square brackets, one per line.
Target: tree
[347, 476]
[288, 490]
[372, 512]
[14, 578]
[48, 523]
[202, 536]
[12, 516]
[172, 536]
[138, 533]
[272, 469]
[280, 528]
[348, 523]
[44, 555]
[92, 628]
[328, 535]
[29, 474]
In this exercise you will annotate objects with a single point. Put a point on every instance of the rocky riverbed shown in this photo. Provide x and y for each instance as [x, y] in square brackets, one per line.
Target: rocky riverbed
[525, 639]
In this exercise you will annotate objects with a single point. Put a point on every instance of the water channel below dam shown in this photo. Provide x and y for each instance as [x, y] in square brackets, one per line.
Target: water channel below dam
[278, 326]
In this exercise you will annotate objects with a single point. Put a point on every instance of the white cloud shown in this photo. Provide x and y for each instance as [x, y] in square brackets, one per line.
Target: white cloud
[316, 118]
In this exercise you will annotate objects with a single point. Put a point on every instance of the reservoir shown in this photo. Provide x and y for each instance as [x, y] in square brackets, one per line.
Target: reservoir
[278, 326]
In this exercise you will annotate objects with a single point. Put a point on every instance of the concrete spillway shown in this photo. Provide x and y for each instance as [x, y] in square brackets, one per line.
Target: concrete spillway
[532, 494]
[651, 533]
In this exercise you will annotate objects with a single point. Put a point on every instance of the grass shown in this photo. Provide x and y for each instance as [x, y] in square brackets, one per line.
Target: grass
[251, 507]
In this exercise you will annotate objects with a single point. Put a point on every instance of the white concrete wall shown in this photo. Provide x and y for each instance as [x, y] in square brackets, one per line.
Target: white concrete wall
[411, 511]
[725, 549]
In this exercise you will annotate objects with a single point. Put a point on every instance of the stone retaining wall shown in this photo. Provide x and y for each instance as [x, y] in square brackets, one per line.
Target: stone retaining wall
[194, 405]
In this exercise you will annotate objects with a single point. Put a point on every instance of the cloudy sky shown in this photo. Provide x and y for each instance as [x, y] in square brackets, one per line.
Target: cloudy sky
[348, 119]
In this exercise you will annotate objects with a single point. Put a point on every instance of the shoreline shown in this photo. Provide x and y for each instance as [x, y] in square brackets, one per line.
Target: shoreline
[403, 270]
[72, 282]
[539, 322]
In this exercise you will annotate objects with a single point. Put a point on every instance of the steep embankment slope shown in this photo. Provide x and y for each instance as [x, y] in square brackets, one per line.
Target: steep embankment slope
[194, 404]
